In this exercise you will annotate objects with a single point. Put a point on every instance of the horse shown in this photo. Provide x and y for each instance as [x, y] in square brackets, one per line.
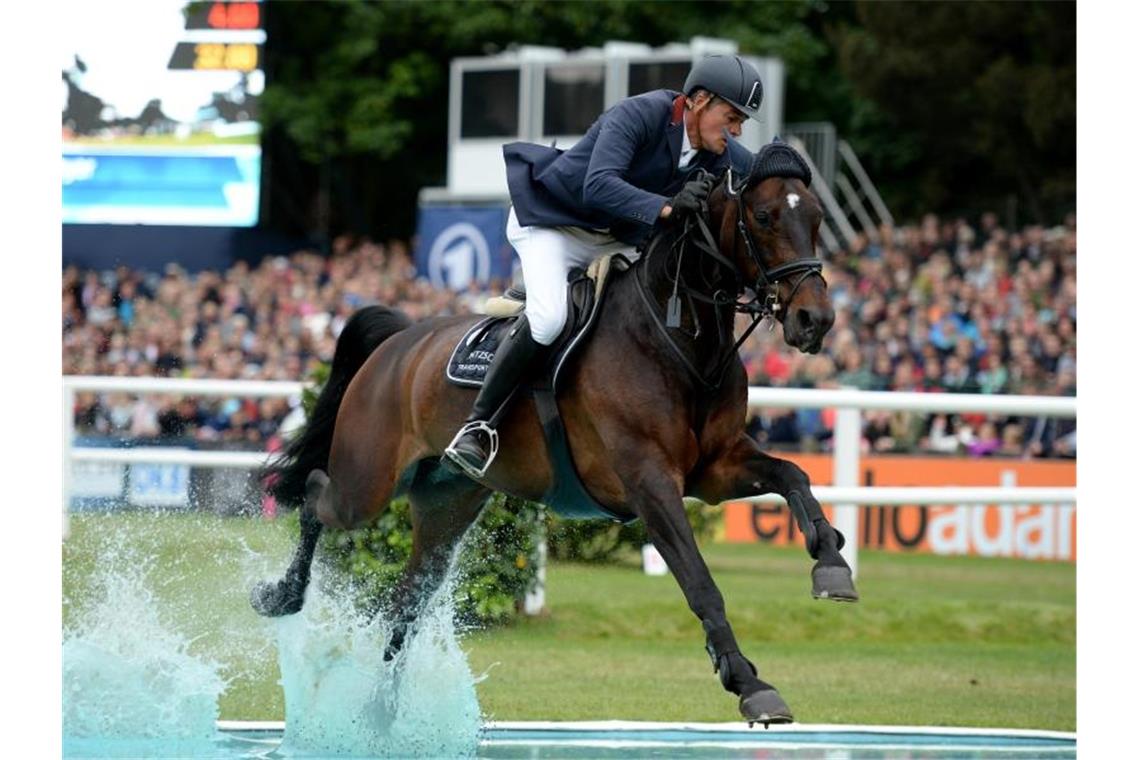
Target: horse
[654, 411]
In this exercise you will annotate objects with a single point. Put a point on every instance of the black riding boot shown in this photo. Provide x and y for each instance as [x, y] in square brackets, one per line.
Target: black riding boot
[477, 442]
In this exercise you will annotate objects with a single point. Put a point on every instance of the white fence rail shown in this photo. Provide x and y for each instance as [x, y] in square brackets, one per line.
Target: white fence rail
[844, 494]
[817, 398]
[976, 495]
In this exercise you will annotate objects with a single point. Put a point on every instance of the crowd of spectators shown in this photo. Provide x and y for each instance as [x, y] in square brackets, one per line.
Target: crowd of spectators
[944, 305]
[941, 306]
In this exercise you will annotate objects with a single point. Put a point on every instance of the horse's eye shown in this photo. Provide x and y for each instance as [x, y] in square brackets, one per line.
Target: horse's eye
[763, 218]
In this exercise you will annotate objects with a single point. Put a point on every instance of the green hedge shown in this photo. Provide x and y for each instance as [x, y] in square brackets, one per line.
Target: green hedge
[497, 561]
[605, 541]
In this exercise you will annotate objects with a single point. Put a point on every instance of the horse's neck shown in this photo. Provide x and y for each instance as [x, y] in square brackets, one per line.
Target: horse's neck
[703, 331]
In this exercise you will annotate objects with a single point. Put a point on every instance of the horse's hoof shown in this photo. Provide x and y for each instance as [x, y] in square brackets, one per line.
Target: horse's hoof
[833, 582]
[273, 600]
[765, 706]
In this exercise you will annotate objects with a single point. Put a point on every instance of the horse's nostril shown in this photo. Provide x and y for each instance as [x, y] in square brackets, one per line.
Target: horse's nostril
[804, 320]
[813, 323]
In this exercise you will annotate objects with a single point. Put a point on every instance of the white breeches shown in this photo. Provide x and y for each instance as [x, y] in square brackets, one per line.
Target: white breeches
[547, 255]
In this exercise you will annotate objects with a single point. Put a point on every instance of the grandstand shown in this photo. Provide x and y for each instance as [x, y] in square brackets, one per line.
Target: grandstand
[943, 305]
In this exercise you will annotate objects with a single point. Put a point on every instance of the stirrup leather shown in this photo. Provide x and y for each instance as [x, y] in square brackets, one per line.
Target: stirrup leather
[471, 471]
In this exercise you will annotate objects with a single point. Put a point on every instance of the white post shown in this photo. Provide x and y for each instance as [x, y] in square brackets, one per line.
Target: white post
[848, 433]
[68, 442]
[535, 599]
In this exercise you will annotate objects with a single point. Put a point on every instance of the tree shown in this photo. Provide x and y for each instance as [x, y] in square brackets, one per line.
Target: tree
[980, 98]
[355, 105]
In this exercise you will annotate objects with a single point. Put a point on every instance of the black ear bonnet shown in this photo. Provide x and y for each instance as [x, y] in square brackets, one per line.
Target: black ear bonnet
[778, 159]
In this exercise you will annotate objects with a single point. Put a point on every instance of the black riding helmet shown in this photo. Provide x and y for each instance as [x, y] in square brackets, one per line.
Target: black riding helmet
[729, 77]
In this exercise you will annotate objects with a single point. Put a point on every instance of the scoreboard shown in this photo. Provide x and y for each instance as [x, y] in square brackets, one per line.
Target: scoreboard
[164, 131]
[223, 51]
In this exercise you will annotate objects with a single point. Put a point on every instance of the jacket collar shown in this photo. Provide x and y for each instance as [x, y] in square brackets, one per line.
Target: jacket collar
[675, 128]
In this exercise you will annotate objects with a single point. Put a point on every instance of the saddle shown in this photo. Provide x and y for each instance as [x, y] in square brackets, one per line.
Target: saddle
[474, 353]
[472, 356]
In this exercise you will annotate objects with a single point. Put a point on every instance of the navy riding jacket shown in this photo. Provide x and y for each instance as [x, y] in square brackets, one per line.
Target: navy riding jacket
[618, 176]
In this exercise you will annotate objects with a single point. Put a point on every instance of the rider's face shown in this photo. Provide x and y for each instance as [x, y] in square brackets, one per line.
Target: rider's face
[714, 116]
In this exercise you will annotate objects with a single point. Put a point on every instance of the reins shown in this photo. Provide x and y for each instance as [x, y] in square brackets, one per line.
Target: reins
[765, 302]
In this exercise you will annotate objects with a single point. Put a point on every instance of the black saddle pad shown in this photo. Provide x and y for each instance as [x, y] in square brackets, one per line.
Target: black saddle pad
[474, 353]
[472, 357]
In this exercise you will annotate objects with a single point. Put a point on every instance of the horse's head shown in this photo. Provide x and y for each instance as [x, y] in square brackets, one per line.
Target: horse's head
[769, 226]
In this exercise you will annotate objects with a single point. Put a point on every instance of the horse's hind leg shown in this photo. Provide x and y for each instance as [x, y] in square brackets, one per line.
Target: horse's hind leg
[287, 596]
[443, 506]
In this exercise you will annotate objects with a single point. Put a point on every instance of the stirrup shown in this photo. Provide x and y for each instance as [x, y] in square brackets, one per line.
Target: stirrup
[459, 461]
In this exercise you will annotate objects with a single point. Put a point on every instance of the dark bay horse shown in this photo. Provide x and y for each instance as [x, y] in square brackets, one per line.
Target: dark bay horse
[653, 412]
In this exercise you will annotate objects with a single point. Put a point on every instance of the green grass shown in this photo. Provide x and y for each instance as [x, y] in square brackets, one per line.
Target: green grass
[934, 641]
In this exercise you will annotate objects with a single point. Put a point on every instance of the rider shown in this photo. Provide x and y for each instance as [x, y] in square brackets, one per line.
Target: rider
[637, 164]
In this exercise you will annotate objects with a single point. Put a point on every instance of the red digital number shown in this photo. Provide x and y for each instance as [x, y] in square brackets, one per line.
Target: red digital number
[234, 16]
[244, 16]
[217, 17]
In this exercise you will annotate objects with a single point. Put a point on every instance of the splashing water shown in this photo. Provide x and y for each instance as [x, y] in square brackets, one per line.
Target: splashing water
[133, 688]
[128, 677]
[341, 698]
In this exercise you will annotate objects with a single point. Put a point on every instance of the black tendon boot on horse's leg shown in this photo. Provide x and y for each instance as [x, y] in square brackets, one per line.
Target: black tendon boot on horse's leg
[287, 596]
[759, 701]
[745, 471]
[477, 442]
[831, 575]
[660, 507]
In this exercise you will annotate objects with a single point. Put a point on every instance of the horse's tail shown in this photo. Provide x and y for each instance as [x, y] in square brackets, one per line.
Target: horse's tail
[309, 449]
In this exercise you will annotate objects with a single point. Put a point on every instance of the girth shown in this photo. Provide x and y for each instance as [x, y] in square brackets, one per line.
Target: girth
[567, 495]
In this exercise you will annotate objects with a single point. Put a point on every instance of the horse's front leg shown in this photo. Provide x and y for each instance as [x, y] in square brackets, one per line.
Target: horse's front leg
[656, 498]
[746, 471]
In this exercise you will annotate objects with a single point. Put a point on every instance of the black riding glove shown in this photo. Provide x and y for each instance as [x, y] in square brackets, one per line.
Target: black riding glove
[692, 196]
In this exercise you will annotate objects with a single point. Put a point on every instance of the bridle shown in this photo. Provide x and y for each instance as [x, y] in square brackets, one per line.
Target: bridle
[767, 280]
[766, 288]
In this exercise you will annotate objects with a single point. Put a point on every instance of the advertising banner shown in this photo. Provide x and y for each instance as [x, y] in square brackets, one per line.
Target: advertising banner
[159, 485]
[1043, 531]
[461, 245]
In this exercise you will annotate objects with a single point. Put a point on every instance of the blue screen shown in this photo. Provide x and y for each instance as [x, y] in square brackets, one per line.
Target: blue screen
[160, 115]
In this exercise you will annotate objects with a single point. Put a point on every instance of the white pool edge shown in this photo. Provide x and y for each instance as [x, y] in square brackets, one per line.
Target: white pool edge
[714, 728]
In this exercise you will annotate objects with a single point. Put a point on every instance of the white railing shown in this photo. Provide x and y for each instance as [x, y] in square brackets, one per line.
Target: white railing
[819, 398]
[74, 384]
[844, 494]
